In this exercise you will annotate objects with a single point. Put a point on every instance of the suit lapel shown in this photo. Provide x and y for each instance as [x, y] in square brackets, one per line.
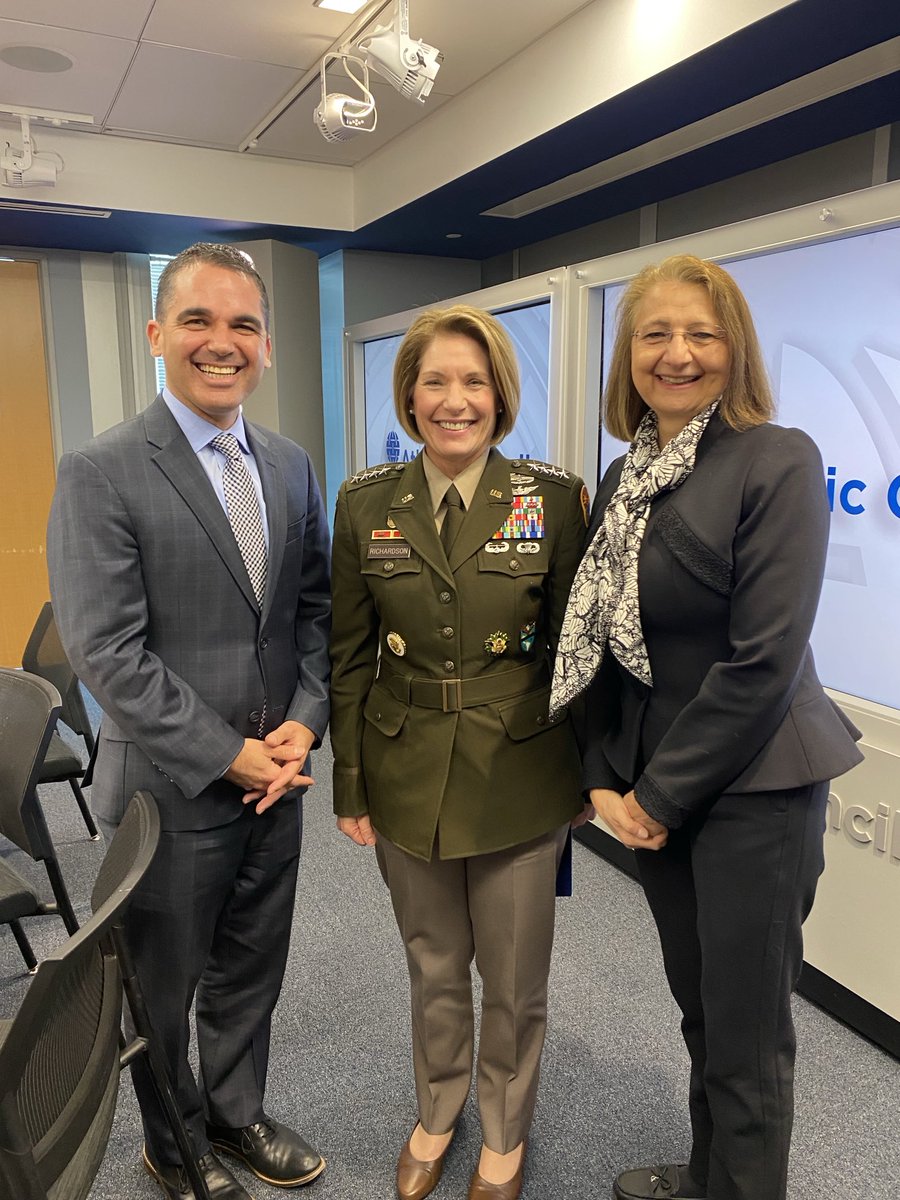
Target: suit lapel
[413, 515]
[178, 462]
[491, 505]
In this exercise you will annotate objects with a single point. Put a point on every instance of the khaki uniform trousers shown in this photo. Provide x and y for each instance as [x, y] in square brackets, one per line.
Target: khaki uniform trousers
[499, 909]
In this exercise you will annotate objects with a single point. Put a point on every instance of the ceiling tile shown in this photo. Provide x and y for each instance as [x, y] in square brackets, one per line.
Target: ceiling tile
[207, 99]
[290, 32]
[99, 64]
[117, 18]
[475, 37]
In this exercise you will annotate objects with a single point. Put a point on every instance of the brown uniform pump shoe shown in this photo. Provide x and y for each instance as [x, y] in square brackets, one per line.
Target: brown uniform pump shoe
[480, 1189]
[417, 1179]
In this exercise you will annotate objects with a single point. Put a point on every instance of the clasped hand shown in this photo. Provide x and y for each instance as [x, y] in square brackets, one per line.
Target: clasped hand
[629, 822]
[269, 768]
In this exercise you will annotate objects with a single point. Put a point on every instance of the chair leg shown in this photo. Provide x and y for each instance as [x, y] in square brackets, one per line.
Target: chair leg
[93, 745]
[157, 1068]
[85, 811]
[63, 903]
[24, 946]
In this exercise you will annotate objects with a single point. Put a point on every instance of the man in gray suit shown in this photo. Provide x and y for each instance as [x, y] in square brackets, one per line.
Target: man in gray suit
[189, 576]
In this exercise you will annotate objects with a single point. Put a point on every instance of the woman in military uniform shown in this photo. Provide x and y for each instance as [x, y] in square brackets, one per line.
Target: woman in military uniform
[451, 575]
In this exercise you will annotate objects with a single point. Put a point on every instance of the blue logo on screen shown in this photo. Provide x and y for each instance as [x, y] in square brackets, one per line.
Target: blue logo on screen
[392, 446]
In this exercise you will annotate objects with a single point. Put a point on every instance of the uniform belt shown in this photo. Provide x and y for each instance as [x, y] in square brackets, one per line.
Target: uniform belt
[453, 695]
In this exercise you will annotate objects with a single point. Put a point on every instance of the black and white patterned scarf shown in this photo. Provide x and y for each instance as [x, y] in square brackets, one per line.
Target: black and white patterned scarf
[604, 605]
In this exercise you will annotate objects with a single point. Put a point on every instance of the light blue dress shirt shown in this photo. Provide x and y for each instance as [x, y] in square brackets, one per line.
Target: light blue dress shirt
[200, 433]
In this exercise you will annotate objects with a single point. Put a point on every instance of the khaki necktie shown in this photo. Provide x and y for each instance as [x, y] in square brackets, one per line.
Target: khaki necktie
[453, 517]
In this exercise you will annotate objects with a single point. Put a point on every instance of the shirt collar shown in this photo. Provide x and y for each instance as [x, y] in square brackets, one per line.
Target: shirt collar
[466, 481]
[198, 431]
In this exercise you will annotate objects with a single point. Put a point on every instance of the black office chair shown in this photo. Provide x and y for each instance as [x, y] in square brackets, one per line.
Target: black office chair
[113, 870]
[29, 708]
[60, 1055]
[44, 655]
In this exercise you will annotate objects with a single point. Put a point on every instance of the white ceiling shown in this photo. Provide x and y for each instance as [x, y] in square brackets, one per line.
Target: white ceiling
[208, 73]
[546, 114]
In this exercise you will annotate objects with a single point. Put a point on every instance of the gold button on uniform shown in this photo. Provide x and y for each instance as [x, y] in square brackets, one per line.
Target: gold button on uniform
[449, 665]
[388, 566]
[445, 597]
[513, 564]
[447, 631]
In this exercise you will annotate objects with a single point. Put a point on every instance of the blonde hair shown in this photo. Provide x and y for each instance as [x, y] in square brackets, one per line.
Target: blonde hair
[484, 329]
[747, 398]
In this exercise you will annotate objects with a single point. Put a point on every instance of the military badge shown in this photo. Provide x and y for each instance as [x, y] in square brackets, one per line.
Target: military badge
[497, 495]
[522, 485]
[497, 547]
[543, 468]
[528, 548]
[496, 643]
[381, 534]
[378, 472]
[396, 643]
[526, 637]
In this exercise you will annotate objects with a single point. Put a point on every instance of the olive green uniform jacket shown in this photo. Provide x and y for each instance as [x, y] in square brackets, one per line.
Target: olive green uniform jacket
[441, 669]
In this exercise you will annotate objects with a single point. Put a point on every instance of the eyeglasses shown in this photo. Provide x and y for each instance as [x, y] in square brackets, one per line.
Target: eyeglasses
[698, 338]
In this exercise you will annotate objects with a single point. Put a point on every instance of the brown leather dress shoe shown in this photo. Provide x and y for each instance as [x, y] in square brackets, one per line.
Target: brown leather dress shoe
[415, 1178]
[480, 1189]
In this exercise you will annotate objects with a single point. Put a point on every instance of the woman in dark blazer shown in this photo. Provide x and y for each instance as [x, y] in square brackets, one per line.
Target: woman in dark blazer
[451, 575]
[709, 742]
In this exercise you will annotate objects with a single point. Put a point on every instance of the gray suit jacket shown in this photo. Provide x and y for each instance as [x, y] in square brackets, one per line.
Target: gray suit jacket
[730, 571]
[159, 620]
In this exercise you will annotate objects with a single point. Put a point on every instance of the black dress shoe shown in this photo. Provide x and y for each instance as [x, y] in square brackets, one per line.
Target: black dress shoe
[271, 1151]
[672, 1181]
[174, 1181]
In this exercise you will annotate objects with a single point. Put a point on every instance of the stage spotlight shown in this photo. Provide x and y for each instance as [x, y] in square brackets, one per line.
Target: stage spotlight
[340, 117]
[409, 66]
[28, 167]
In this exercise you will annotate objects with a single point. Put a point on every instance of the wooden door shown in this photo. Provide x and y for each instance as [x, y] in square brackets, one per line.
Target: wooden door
[28, 472]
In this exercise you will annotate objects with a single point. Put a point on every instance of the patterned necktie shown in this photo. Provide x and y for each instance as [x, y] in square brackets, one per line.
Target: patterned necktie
[243, 512]
[453, 517]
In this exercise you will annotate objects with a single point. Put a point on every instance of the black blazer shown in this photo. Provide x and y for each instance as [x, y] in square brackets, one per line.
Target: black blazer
[730, 571]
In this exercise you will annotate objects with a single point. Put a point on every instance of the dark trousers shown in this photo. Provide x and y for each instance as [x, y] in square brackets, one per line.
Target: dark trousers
[729, 893]
[212, 918]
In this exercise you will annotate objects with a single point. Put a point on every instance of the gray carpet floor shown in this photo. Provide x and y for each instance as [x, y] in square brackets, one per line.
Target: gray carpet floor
[613, 1091]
